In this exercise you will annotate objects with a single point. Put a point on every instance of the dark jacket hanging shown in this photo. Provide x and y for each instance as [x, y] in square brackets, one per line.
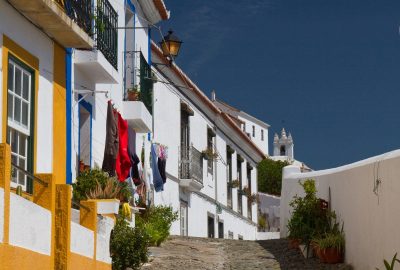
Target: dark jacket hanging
[112, 142]
[133, 157]
[161, 168]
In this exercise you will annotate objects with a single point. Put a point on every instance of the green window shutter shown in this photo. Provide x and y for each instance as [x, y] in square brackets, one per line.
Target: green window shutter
[146, 84]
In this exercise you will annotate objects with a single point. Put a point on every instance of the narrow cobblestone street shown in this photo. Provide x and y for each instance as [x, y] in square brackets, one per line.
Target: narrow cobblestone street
[198, 253]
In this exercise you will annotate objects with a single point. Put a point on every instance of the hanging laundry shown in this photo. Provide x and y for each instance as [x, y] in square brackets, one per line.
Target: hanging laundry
[123, 164]
[111, 148]
[161, 167]
[157, 179]
[134, 173]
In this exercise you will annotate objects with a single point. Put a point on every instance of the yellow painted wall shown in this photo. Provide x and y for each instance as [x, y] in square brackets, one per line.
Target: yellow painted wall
[59, 116]
[12, 257]
[81, 262]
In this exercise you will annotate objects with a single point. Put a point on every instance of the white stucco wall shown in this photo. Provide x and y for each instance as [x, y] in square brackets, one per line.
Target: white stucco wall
[38, 44]
[270, 205]
[30, 225]
[166, 119]
[262, 144]
[103, 249]
[268, 235]
[104, 227]
[371, 221]
[82, 240]
[1, 215]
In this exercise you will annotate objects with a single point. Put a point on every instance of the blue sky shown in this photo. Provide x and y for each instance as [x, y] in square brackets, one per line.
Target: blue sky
[327, 71]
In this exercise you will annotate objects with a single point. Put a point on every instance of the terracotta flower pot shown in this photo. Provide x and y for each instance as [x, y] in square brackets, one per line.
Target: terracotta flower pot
[81, 166]
[320, 254]
[133, 95]
[332, 255]
[294, 243]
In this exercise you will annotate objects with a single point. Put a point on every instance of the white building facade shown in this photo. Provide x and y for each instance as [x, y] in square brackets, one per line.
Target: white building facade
[189, 123]
[255, 129]
[107, 73]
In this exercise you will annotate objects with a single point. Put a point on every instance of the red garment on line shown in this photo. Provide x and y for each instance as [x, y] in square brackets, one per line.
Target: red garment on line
[123, 162]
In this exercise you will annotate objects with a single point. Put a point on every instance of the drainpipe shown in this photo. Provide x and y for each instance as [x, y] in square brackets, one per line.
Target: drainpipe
[68, 88]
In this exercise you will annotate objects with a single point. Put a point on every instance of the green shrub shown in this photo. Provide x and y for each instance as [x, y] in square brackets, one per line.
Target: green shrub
[157, 221]
[309, 220]
[88, 181]
[270, 176]
[128, 246]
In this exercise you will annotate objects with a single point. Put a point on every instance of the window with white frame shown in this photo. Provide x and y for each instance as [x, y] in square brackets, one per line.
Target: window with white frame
[19, 127]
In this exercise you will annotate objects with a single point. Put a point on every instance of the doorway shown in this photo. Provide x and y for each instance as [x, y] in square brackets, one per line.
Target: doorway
[211, 230]
[220, 229]
[85, 135]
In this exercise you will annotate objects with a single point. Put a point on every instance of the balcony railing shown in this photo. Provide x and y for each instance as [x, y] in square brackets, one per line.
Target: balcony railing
[106, 31]
[80, 11]
[191, 164]
[100, 23]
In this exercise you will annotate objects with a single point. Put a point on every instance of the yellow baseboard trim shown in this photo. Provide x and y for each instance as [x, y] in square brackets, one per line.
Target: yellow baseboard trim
[79, 262]
[12, 257]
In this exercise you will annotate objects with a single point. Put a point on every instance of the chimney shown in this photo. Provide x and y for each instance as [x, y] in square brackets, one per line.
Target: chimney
[212, 95]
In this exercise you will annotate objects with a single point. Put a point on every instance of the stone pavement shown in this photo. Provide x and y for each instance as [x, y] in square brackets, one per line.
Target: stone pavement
[186, 253]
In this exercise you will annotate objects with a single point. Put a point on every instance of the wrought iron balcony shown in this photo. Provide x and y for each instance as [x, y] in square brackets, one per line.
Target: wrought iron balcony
[80, 11]
[191, 167]
[106, 31]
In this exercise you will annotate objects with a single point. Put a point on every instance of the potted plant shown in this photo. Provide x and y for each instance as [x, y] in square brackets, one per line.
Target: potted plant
[330, 246]
[133, 93]
[234, 183]
[209, 154]
[252, 198]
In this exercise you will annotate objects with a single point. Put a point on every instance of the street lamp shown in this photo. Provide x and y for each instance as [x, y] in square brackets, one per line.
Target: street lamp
[170, 46]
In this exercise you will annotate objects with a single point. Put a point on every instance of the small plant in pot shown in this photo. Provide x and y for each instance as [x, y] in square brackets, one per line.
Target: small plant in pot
[253, 198]
[234, 183]
[209, 154]
[330, 246]
[133, 93]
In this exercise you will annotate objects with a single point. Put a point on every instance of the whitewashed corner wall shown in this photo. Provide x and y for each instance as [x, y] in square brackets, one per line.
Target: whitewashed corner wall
[371, 221]
[82, 240]
[30, 225]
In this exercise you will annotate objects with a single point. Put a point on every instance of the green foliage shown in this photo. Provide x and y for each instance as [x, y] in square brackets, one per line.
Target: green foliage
[270, 176]
[87, 182]
[157, 221]
[334, 238]
[310, 220]
[262, 222]
[391, 265]
[129, 246]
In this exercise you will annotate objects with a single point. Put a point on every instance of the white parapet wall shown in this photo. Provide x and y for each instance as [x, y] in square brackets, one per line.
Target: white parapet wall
[30, 225]
[268, 235]
[365, 196]
[104, 227]
[1, 215]
[82, 240]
